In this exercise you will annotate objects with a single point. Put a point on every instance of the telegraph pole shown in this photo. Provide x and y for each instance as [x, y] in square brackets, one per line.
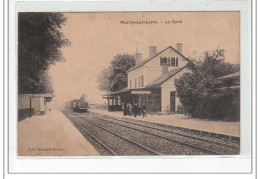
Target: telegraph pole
[31, 97]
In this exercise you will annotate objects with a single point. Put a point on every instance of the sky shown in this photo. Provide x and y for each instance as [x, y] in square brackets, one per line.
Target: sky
[97, 37]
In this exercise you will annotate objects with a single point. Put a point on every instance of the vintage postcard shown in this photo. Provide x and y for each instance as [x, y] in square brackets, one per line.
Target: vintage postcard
[128, 83]
[129, 87]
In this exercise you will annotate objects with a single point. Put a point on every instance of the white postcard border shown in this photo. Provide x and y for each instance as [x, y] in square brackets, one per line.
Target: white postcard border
[175, 164]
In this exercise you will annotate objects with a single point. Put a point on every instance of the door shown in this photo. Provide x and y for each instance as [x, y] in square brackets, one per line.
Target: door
[135, 99]
[172, 101]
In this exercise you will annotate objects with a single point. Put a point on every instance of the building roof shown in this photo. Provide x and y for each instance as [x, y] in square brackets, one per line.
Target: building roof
[46, 95]
[149, 59]
[116, 92]
[230, 76]
[229, 88]
[165, 77]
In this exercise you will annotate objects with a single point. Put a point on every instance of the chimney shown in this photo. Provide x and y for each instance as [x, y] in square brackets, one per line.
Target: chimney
[152, 51]
[179, 47]
[138, 57]
[164, 70]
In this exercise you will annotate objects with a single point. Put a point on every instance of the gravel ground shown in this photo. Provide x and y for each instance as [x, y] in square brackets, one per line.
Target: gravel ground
[117, 144]
[144, 136]
[232, 149]
[162, 145]
[221, 127]
[158, 144]
[101, 149]
[173, 129]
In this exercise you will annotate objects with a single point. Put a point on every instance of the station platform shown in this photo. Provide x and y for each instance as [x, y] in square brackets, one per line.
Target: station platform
[229, 130]
[51, 135]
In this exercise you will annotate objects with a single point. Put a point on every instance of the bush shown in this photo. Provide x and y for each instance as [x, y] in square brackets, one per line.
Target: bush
[203, 95]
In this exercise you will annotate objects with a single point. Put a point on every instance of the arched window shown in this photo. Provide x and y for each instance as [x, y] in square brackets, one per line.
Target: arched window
[173, 61]
[164, 61]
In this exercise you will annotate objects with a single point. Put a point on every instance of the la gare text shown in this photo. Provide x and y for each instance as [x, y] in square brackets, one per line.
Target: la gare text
[131, 22]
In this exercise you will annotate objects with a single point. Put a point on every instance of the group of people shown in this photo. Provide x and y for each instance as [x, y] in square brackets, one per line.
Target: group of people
[135, 109]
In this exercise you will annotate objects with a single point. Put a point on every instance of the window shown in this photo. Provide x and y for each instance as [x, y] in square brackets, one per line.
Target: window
[130, 84]
[139, 82]
[110, 102]
[164, 61]
[142, 81]
[173, 61]
[135, 82]
[113, 101]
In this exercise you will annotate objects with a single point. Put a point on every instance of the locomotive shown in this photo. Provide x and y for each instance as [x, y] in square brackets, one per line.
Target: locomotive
[80, 105]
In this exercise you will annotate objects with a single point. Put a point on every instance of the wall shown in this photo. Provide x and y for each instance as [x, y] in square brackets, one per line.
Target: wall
[167, 87]
[136, 74]
[165, 97]
[152, 69]
[36, 102]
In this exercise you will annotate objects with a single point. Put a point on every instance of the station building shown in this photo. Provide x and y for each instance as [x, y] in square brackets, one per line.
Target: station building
[231, 81]
[151, 81]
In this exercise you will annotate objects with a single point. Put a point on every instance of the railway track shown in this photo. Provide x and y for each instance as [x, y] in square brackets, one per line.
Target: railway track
[178, 143]
[107, 149]
[212, 147]
[221, 142]
[135, 148]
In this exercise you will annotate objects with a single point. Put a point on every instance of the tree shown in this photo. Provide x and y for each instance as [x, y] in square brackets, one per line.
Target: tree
[114, 78]
[201, 92]
[39, 44]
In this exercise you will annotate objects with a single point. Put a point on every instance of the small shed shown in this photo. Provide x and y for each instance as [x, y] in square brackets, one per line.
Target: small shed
[33, 104]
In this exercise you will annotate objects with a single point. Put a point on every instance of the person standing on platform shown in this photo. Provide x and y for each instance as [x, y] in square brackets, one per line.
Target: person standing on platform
[130, 109]
[135, 110]
[139, 110]
[144, 110]
[125, 109]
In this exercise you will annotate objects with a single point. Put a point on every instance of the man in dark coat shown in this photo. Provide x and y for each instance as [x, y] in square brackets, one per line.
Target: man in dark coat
[135, 110]
[125, 109]
[139, 110]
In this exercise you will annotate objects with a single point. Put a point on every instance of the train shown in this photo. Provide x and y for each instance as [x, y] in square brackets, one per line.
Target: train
[79, 105]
